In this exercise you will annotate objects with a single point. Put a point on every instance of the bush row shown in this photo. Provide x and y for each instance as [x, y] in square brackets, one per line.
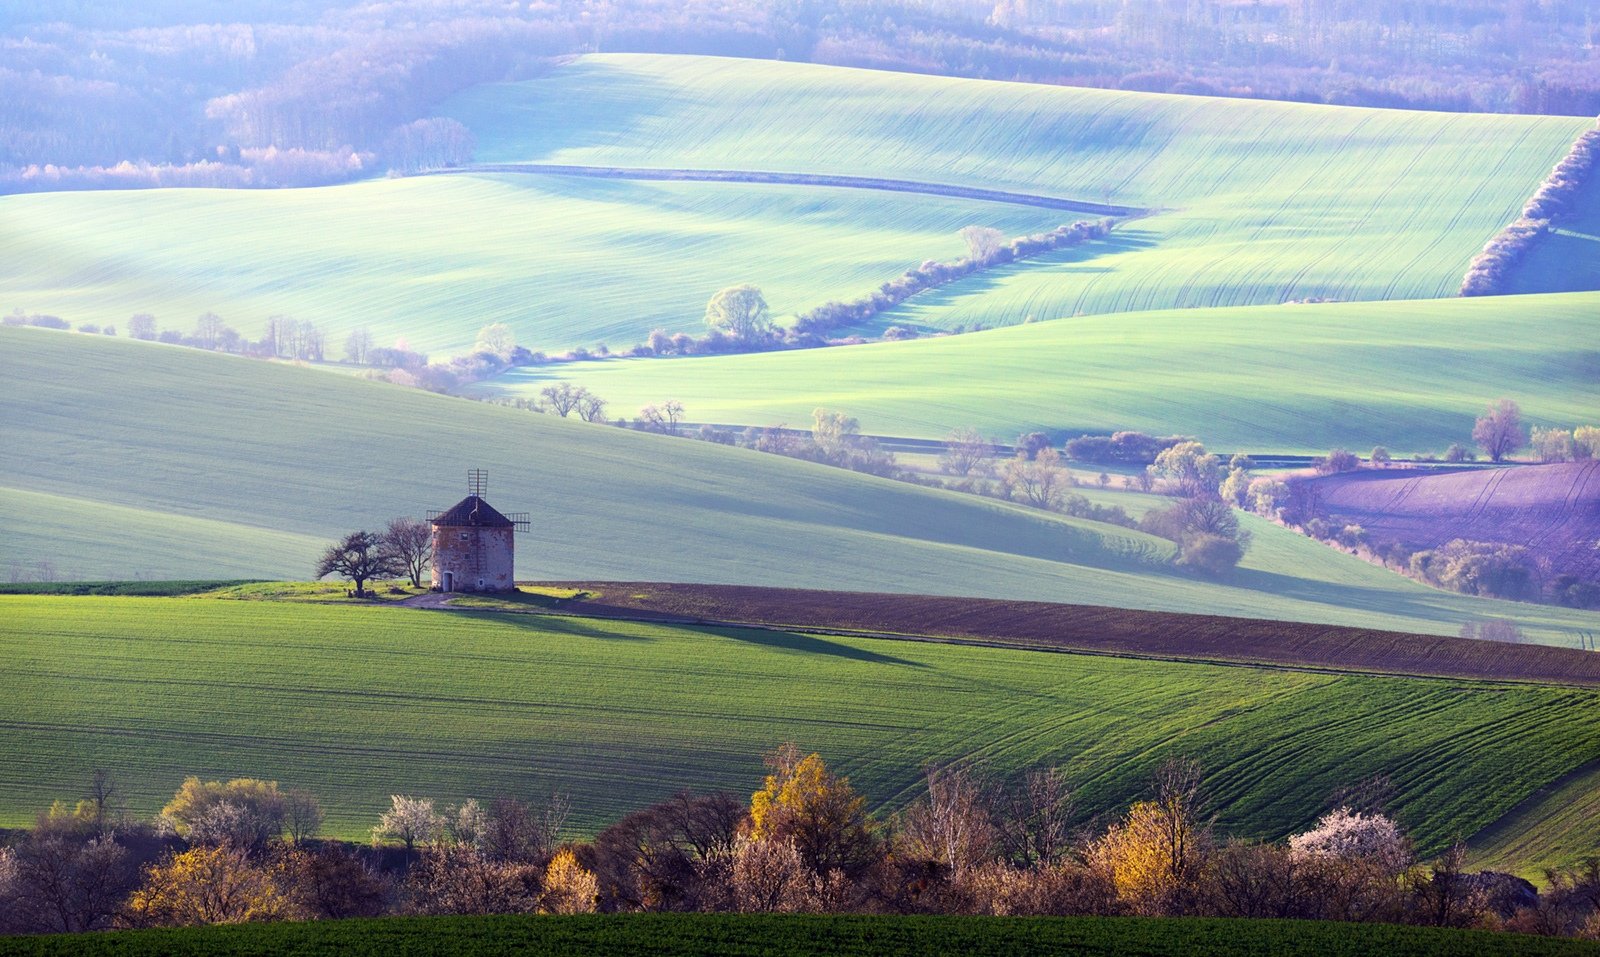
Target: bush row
[1490, 269]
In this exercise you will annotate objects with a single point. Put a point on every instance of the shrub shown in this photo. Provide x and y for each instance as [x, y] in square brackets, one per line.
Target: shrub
[244, 813]
[1459, 453]
[1348, 835]
[1352, 536]
[1493, 629]
[1379, 457]
[1493, 569]
[1339, 460]
[1120, 448]
[1586, 442]
[1267, 496]
[1211, 554]
[1552, 445]
[569, 888]
[208, 885]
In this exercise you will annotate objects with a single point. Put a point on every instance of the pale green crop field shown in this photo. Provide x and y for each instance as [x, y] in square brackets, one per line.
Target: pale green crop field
[1266, 201]
[1407, 375]
[357, 703]
[566, 262]
[230, 445]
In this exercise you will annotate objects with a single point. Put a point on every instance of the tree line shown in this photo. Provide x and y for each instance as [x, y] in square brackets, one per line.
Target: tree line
[804, 841]
[1556, 198]
[183, 102]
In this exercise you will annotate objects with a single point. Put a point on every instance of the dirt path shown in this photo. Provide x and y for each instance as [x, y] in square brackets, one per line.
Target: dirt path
[805, 179]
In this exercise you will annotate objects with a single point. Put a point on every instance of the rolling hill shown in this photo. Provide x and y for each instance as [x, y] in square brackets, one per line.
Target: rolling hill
[1262, 202]
[244, 449]
[360, 702]
[1304, 378]
[566, 261]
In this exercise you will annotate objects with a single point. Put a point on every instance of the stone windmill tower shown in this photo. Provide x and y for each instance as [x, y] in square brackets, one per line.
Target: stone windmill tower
[474, 546]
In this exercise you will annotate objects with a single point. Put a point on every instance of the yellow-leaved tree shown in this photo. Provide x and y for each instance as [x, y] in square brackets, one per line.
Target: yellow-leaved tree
[1154, 856]
[569, 887]
[208, 885]
[803, 802]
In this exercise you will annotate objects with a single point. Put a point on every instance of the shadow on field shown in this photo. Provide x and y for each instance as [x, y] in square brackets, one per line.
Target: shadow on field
[561, 625]
[1078, 258]
[812, 645]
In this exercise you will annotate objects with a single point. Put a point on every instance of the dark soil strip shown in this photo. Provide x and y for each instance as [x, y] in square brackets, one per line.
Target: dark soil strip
[805, 179]
[1092, 629]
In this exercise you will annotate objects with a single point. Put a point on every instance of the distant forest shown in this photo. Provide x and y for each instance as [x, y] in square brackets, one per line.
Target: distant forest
[101, 93]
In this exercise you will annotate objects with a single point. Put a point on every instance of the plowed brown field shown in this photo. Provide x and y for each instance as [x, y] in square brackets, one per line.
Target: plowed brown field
[1092, 629]
[1554, 510]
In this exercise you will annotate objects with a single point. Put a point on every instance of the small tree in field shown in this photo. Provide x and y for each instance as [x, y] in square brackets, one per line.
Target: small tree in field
[965, 452]
[497, 340]
[1499, 431]
[411, 821]
[982, 241]
[1552, 445]
[1380, 457]
[740, 312]
[360, 557]
[409, 543]
[1039, 483]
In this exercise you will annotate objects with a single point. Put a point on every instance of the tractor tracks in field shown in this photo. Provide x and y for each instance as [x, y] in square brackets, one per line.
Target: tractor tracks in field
[828, 180]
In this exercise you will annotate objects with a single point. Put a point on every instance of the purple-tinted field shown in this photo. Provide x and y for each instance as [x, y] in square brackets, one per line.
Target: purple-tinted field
[1554, 510]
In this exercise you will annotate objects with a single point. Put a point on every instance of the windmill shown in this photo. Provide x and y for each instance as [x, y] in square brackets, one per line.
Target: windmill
[474, 545]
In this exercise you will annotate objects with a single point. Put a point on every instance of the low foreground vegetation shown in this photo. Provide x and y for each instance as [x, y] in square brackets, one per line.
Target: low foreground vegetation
[796, 934]
[246, 851]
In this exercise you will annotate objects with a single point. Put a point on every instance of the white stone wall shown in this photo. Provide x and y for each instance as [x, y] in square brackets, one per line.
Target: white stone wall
[473, 559]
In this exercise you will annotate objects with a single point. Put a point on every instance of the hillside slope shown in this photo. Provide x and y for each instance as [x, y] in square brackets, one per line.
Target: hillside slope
[1407, 375]
[1267, 201]
[359, 702]
[182, 432]
[1264, 202]
[566, 261]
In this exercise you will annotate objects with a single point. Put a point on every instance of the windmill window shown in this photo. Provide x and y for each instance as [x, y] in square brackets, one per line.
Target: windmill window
[464, 536]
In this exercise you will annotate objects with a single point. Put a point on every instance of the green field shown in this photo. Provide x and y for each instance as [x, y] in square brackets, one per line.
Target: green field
[357, 703]
[1266, 201]
[566, 262]
[240, 452]
[1407, 375]
[797, 935]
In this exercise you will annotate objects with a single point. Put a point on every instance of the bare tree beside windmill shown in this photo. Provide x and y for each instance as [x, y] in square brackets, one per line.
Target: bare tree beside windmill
[359, 557]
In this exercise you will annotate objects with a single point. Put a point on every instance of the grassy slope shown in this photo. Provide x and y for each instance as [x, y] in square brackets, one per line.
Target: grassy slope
[565, 261]
[169, 430]
[357, 703]
[1270, 201]
[99, 540]
[679, 935]
[1408, 375]
[1557, 826]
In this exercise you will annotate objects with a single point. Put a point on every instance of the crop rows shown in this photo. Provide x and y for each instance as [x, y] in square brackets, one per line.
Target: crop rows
[357, 703]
